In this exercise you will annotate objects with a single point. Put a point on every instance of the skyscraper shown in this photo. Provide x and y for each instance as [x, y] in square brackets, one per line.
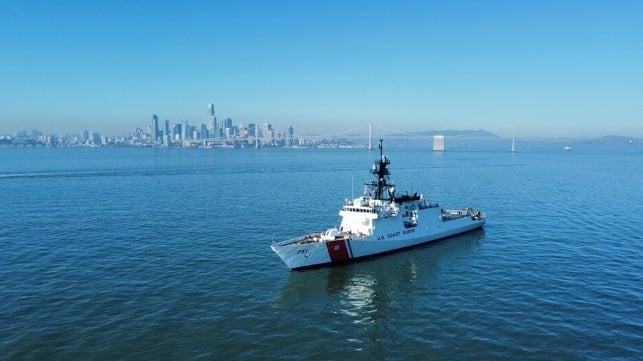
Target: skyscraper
[268, 133]
[177, 131]
[185, 131]
[204, 131]
[290, 136]
[167, 128]
[227, 123]
[214, 128]
[155, 127]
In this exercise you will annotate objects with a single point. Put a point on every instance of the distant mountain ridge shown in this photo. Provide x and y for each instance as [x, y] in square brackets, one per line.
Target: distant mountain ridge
[479, 133]
[616, 138]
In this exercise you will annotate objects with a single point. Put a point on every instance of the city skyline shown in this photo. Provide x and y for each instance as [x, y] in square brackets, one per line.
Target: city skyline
[549, 69]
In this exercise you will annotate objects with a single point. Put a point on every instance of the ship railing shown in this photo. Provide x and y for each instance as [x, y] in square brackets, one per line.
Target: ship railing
[309, 238]
[451, 214]
[358, 209]
[424, 205]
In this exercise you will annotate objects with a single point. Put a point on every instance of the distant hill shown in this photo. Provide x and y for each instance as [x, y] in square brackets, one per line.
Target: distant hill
[616, 139]
[480, 133]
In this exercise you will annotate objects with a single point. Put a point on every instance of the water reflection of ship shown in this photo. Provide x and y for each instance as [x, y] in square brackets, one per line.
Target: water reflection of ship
[374, 283]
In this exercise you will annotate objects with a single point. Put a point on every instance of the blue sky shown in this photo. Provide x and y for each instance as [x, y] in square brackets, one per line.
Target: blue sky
[552, 68]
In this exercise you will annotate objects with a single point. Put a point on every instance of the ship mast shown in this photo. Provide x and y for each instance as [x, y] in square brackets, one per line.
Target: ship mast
[381, 172]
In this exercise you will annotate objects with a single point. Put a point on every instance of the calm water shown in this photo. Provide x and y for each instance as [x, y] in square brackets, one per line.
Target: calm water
[153, 254]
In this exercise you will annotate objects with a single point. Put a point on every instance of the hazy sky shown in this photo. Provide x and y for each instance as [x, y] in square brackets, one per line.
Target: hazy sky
[552, 68]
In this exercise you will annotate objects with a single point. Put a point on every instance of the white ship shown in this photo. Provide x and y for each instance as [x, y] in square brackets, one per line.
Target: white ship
[378, 222]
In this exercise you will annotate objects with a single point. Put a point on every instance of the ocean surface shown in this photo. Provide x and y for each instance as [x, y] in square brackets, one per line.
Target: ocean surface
[163, 254]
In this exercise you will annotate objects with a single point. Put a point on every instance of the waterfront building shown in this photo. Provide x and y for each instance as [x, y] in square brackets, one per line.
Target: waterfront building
[232, 132]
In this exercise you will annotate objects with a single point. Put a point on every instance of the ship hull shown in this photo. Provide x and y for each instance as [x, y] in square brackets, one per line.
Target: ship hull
[378, 222]
[389, 238]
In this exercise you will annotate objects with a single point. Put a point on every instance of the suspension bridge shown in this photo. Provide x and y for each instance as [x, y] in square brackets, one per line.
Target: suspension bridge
[371, 131]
